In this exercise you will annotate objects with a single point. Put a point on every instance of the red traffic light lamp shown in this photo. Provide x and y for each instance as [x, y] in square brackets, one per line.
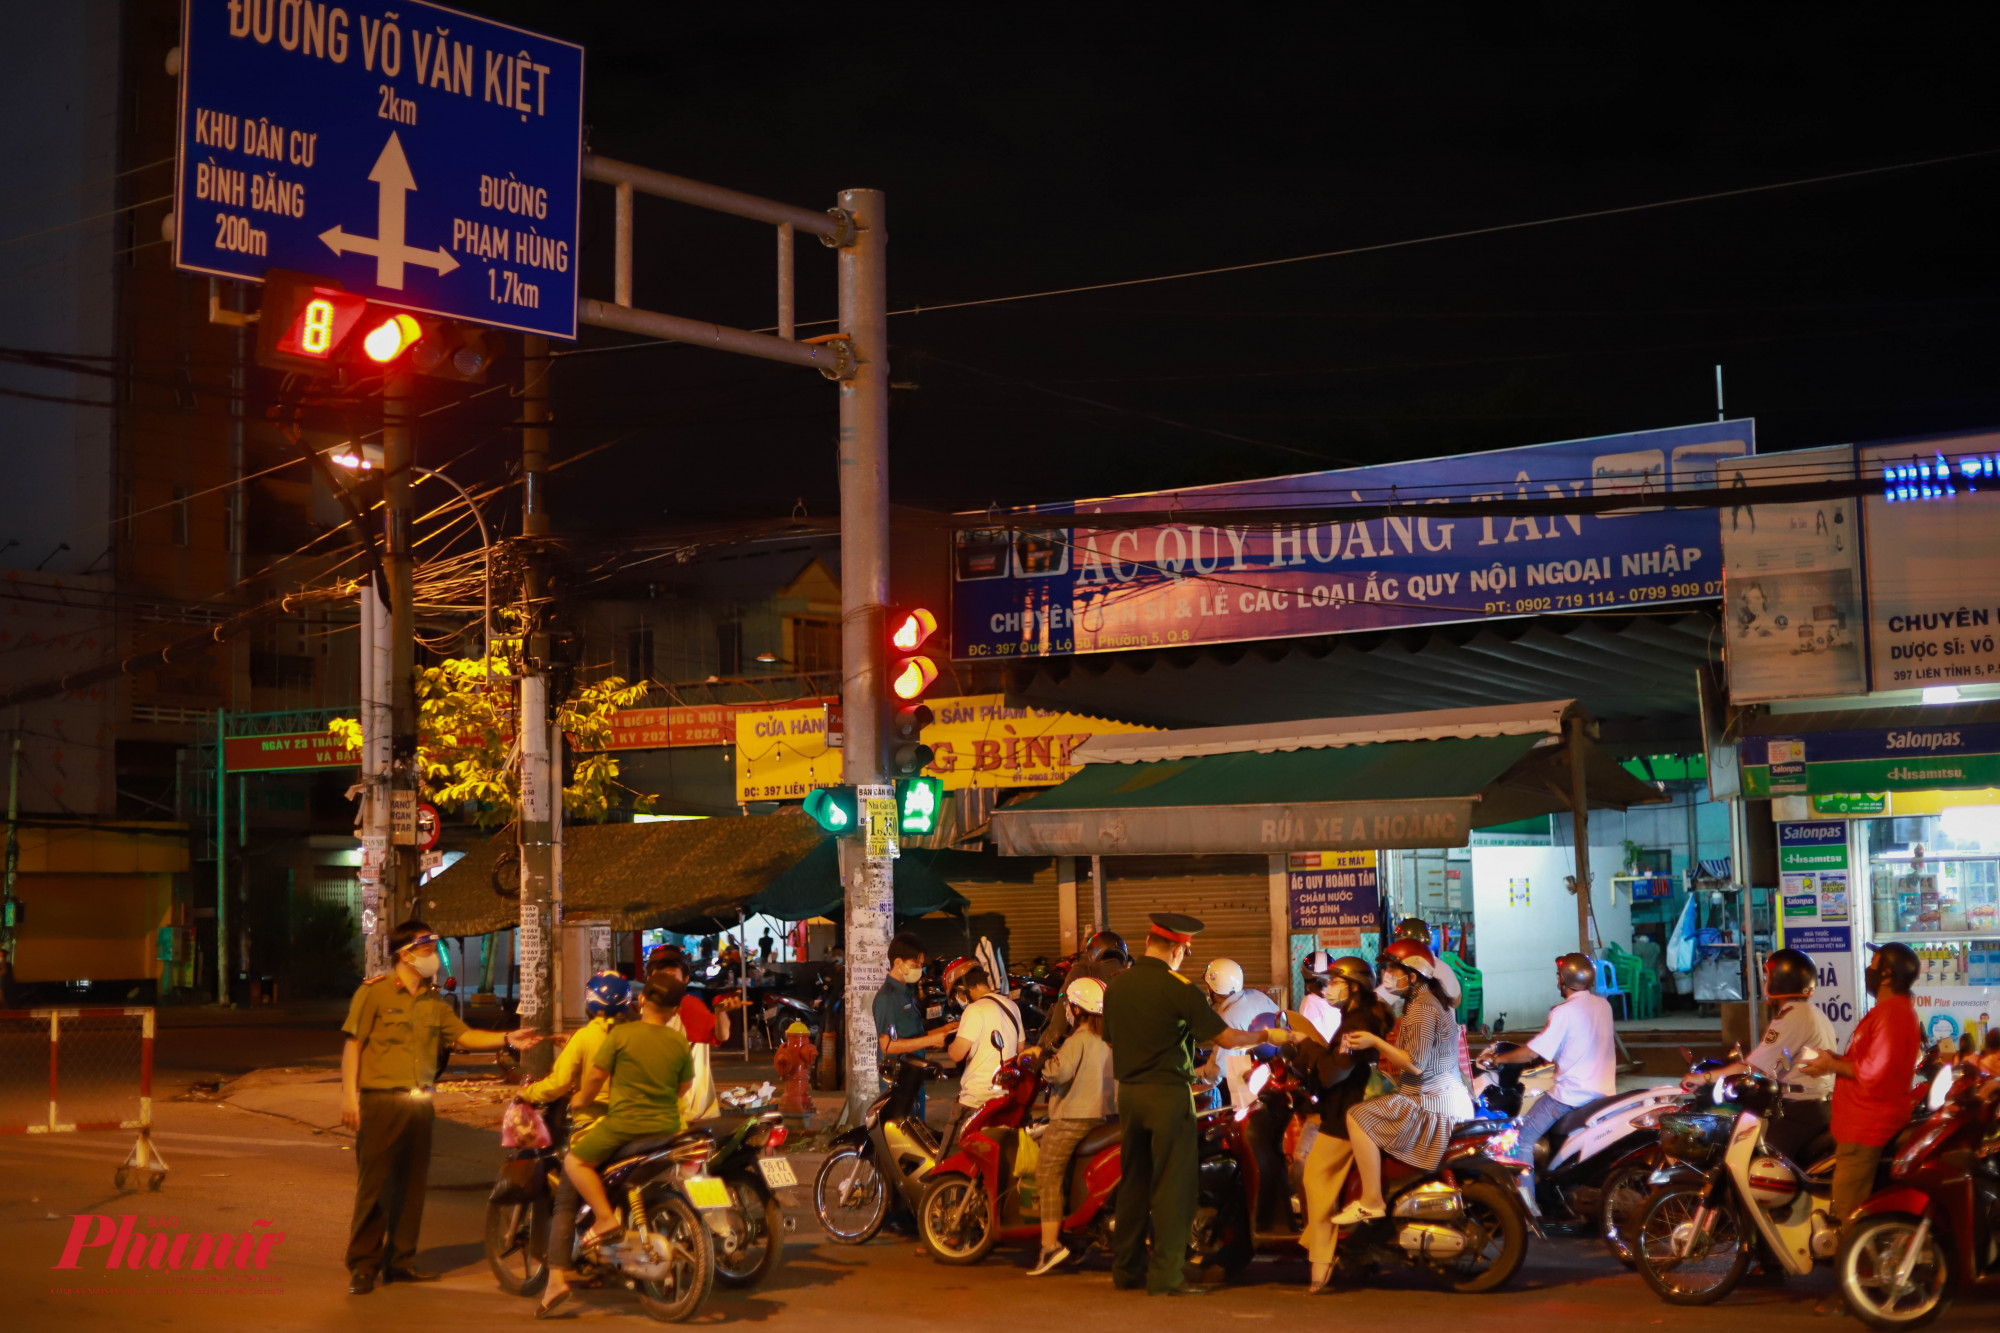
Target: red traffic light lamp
[908, 629]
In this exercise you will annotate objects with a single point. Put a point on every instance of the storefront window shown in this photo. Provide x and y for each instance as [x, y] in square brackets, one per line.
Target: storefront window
[1937, 876]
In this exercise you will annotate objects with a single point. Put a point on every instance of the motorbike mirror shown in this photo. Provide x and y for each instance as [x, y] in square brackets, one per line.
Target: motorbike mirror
[1687, 1058]
[998, 1044]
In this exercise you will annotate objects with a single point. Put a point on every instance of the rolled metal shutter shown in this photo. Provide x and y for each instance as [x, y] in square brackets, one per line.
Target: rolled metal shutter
[1231, 895]
[1034, 922]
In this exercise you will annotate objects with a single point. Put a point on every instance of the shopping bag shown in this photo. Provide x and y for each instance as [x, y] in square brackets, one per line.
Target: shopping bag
[698, 1099]
[522, 1126]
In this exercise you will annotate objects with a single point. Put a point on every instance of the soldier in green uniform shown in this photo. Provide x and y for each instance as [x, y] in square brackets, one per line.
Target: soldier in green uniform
[394, 1026]
[1153, 1018]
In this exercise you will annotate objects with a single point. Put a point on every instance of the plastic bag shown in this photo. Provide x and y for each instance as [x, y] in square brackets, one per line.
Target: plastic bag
[522, 1126]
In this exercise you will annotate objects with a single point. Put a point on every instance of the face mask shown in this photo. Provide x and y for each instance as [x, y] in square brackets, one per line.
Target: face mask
[424, 964]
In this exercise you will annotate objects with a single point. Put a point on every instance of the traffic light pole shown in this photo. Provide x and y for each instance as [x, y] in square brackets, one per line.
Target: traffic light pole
[398, 453]
[864, 597]
[538, 796]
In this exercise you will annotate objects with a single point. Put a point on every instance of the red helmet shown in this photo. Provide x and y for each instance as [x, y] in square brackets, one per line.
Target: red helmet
[955, 969]
[1412, 955]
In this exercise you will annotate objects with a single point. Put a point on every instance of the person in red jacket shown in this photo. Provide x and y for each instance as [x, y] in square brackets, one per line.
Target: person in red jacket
[697, 1022]
[1874, 1088]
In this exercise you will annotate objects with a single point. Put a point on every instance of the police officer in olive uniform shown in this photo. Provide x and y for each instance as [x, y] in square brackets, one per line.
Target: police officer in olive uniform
[394, 1026]
[1153, 1018]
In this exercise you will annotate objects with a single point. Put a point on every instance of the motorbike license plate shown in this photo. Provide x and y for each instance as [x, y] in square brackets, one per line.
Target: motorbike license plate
[934, 1011]
[777, 1172]
[707, 1192]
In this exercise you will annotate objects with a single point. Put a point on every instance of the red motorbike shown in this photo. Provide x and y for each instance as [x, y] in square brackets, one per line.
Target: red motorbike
[1934, 1230]
[974, 1199]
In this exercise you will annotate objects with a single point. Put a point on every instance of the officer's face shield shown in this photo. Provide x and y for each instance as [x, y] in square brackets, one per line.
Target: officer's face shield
[422, 947]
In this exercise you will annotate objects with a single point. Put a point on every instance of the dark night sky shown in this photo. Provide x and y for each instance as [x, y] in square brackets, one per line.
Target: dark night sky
[1055, 147]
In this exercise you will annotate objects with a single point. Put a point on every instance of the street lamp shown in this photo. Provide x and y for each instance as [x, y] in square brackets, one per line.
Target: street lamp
[368, 457]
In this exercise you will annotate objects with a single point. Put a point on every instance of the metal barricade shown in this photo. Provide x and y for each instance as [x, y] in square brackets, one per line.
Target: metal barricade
[68, 1071]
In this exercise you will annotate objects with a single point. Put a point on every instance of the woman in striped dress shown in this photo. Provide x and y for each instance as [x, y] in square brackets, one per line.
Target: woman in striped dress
[1415, 1122]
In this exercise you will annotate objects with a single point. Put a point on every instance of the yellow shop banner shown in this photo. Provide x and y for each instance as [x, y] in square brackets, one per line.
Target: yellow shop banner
[980, 741]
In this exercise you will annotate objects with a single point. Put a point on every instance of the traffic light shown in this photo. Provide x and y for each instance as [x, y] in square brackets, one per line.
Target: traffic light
[918, 801]
[910, 674]
[315, 326]
[835, 808]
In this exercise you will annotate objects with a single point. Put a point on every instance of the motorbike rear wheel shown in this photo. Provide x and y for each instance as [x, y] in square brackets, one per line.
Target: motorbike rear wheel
[1866, 1271]
[956, 1220]
[1715, 1260]
[517, 1246]
[850, 1198]
[1498, 1214]
[1619, 1209]
[692, 1274]
[763, 1248]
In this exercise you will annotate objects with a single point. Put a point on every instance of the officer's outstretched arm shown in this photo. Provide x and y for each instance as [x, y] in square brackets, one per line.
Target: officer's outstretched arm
[1236, 1039]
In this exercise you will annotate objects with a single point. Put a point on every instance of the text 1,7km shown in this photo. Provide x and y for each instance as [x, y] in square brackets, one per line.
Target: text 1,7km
[505, 286]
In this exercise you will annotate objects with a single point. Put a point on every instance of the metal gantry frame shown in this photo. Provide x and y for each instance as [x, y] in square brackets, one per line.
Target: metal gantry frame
[856, 357]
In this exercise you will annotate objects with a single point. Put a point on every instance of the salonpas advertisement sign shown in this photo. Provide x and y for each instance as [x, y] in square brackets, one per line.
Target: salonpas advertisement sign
[1892, 759]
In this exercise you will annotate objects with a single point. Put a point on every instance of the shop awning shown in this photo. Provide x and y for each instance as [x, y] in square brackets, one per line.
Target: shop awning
[812, 888]
[631, 876]
[1397, 781]
[1920, 748]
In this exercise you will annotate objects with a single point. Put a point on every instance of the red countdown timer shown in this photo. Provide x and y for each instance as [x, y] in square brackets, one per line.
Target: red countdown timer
[323, 323]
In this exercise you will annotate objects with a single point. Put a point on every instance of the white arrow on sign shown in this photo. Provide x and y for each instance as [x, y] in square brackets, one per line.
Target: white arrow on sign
[392, 178]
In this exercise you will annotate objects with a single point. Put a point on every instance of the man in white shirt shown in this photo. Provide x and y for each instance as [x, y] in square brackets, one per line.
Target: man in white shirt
[1578, 1041]
[1242, 1008]
[989, 1033]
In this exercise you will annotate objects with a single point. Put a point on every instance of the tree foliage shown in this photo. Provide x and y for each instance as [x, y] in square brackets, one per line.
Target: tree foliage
[467, 746]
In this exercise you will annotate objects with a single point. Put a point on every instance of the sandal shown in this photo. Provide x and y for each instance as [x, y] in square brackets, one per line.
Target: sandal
[552, 1308]
[597, 1240]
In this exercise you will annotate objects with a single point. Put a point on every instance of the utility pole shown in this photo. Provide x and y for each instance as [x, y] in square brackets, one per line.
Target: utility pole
[537, 933]
[864, 597]
[13, 852]
[399, 896]
[375, 727]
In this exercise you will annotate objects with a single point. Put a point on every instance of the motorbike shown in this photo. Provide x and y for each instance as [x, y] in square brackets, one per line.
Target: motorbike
[661, 1194]
[1722, 1197]
[974, 1200]
[1933, 1231]
[1464, 1220]
[892, 1149]
[1592, 1166]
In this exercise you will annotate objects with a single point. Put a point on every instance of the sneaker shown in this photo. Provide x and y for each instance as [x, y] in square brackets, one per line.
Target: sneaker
[1049, 1260]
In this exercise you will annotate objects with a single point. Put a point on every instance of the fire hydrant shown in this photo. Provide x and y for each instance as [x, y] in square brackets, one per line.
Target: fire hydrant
[794, 1061]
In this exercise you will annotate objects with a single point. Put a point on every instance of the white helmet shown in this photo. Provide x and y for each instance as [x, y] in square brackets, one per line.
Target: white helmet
[1087, 994]
[1224, 976]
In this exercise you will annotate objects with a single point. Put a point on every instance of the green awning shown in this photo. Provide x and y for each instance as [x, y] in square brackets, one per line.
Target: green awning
[1318, 796]
[812, 888]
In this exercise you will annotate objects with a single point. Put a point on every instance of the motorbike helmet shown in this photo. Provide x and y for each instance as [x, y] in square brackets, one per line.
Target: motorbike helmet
[1224, 976]
[955, 969]
[607, 993]
[667, 955]
[1355, 971]
[1898, 962]
[1087, 994]
[1318, 963]
[1411, 955]
[1104, 944]
[1574, 972]
[1413, 928]
[1789, 974]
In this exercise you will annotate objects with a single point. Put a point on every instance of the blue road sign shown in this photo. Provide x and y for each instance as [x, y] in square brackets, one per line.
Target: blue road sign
[417, 155]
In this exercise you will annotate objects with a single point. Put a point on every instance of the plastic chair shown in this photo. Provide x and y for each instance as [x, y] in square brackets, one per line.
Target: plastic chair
[1607, 984]
[1471, 989]
[1640, 984]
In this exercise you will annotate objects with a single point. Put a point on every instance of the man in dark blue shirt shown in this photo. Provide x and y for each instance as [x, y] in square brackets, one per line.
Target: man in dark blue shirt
[899, 1010]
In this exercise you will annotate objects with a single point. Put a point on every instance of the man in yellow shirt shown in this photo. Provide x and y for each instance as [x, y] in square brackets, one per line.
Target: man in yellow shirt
[608, 1000]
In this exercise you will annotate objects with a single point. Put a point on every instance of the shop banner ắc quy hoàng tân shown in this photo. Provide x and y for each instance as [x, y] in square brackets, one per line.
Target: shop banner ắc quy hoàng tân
[1070, 588]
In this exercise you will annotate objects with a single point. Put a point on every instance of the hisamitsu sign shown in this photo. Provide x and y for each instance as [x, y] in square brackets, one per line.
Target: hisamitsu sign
[414, 154]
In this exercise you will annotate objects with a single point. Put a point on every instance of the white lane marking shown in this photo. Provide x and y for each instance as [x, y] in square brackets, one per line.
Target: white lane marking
[176, 1135]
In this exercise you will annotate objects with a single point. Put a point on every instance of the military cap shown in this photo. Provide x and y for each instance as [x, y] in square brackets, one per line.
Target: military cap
[1176, 927]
